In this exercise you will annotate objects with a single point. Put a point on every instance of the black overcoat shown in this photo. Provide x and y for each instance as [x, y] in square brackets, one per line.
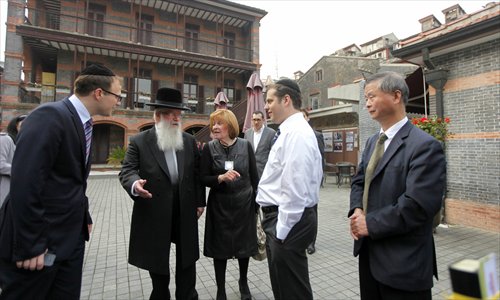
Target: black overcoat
[150, 230]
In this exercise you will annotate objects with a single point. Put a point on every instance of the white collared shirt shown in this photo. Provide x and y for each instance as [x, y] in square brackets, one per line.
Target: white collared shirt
[82, 111]
[391, 131]
[293, 173]
[256, 138]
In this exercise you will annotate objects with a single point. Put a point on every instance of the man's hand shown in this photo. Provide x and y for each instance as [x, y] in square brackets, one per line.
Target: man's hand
[199, 211]
[139, 189]
[32, 264]
[89, 226]
[358, 224]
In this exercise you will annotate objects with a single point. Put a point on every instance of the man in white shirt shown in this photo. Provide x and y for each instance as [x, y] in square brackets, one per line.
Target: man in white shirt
[288, 192]
[261, 138]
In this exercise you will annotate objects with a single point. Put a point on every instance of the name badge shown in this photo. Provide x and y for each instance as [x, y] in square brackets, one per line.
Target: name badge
[229, 165]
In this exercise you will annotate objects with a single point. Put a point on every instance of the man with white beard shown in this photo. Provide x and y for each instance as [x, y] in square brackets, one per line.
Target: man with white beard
[160, 173]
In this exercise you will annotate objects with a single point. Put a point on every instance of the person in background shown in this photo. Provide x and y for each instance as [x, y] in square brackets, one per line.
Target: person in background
[321, 145]
[395, 194]
[47, 216]
[14, 126]
[160, 174]
[7, 148]
[288, 193]
[261, 138]
[228, 168]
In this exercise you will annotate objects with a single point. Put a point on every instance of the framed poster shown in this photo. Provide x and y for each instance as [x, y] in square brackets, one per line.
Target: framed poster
[337, 147]
[349, 147]
[349, 137]
[328, 139]
[337, 136]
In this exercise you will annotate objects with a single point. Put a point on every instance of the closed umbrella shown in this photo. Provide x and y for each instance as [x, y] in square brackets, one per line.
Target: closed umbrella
[220, 101]
[255, 100]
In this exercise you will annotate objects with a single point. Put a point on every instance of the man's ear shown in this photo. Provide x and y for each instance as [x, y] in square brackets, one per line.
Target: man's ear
[398, 97]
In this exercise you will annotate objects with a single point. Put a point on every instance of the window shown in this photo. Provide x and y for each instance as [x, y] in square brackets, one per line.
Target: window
[315, 102]
[95, 20]
[229, 38]
[191, 38]
[142, 85]
[190, 87]
[229, 89]
[319, 75]
[144, 29]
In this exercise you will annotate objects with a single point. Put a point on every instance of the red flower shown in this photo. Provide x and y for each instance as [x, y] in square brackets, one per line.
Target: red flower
[447, 120]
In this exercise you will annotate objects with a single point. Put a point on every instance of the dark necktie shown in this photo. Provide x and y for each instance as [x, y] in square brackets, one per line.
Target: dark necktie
[88, 138]
[377, 154]
[276, 135]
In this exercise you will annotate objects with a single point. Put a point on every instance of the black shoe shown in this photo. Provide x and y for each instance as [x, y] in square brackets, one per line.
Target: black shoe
[221, 295]
[311, 249]
[244, 290]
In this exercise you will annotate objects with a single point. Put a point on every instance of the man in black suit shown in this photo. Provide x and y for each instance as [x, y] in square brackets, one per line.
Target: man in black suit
[161, 174]
[47, 213]
[394, 197]
[261, 138]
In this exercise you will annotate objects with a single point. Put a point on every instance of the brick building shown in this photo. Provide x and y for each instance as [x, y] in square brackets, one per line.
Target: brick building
[199, 47]
[461, 64]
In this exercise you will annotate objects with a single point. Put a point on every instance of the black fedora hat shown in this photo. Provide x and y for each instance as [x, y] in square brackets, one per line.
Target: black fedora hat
[168, 98]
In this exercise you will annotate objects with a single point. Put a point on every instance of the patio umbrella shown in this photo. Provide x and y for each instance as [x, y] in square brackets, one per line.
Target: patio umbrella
[221, 101]
[255, 99]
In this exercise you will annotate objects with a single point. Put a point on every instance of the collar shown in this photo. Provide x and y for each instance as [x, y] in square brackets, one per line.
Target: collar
[82, 111]
[290, 122]
[391, 131]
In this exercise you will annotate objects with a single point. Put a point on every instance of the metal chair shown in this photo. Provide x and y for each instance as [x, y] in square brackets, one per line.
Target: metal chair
[330, 170]
[346, 171]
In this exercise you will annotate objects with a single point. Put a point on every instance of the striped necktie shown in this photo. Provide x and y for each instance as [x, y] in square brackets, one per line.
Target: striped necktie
[377, 154]
[276, 135]
[88, 138]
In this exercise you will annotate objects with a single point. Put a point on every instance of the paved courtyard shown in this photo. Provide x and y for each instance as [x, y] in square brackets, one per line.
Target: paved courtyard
[333, 269]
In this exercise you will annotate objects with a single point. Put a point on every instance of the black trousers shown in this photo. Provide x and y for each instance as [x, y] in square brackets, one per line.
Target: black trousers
[61, 281]
[185, 281]
[185, 278]
[371, 289]
[287, 260]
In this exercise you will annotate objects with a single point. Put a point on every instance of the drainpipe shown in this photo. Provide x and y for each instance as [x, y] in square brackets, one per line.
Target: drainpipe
[437, 78]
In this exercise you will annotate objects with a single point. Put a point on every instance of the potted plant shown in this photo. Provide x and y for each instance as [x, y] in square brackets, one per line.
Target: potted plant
[116, 156]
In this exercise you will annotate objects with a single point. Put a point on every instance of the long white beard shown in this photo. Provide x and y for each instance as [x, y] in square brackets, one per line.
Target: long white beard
[169, 137]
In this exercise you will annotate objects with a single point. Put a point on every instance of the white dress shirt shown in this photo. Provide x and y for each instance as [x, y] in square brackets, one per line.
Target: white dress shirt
[256, 138]
[293, 173]
[391, 131]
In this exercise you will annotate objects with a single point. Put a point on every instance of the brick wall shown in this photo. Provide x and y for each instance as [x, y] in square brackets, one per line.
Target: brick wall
[471, 100]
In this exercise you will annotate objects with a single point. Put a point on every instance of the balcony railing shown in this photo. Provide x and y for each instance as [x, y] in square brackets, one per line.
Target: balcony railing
[168, 38]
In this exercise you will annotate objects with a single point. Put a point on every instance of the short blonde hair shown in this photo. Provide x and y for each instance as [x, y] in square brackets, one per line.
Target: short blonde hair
[226, 117]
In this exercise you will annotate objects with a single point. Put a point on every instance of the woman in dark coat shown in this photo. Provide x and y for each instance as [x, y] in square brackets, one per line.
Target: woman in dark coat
[228, 167]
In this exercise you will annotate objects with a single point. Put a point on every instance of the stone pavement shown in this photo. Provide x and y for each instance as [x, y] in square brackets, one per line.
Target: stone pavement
[333, 269]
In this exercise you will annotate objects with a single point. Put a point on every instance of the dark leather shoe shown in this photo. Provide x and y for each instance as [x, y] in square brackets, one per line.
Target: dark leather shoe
[311, 249]
[244, 290]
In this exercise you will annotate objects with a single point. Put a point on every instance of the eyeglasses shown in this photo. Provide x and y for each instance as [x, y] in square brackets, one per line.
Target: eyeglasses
[117, 96]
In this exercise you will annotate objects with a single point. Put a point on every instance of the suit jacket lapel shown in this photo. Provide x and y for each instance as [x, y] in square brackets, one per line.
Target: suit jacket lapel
[395, 144]
[157, 153]
[250, 137]
[77, 122]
